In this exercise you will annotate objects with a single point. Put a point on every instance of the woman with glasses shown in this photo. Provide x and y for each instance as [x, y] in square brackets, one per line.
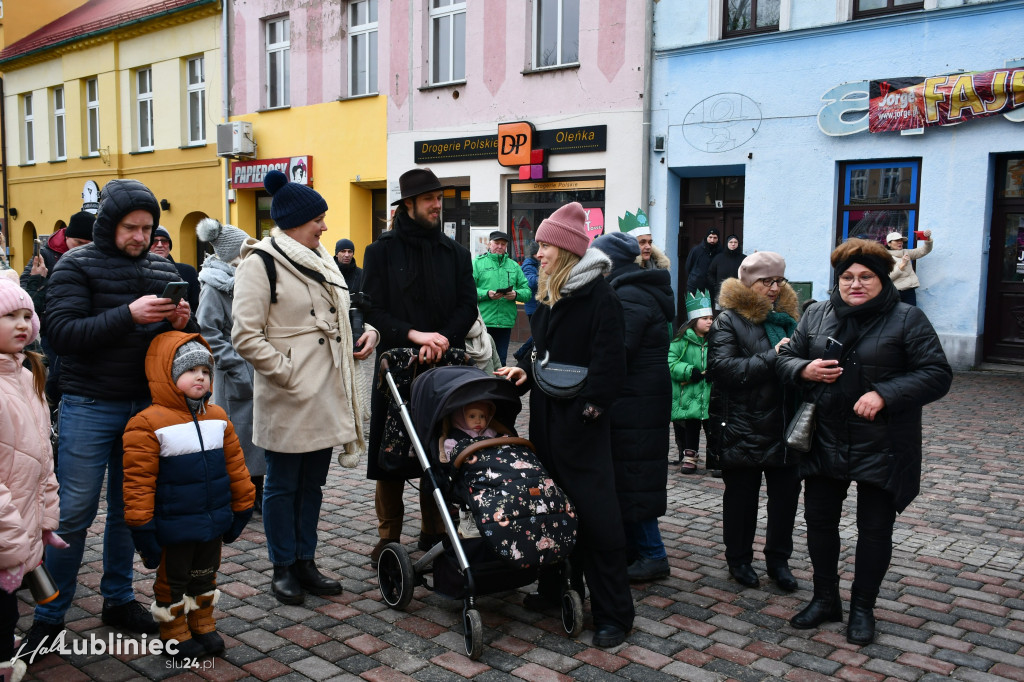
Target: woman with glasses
[868, 424]
[748, 413]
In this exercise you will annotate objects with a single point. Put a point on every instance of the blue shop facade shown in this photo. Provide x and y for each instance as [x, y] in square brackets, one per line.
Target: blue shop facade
[843, 119]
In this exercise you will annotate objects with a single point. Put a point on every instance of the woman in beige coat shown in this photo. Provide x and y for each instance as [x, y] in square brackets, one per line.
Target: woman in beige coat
[903, 275]
[291, 323]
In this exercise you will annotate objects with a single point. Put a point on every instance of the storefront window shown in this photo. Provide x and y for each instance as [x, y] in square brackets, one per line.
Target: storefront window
[531, 202]
[264, 223]
[878, 198]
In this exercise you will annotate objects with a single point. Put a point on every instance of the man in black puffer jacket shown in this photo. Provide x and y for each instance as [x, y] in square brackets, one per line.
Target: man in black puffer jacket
[103, 309]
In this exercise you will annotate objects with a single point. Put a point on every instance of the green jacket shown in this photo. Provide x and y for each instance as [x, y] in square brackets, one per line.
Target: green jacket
[492, 272]
[689, 400]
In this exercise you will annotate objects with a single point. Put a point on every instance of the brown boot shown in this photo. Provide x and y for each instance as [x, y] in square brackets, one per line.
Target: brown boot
[201, 622]
[174, 631]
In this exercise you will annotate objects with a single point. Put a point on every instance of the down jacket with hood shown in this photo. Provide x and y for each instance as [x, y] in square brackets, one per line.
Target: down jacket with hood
[641, 412]
[88, 322]
[900, 357]
[689, 398]
[28, 487]
[183, 469]
[748, 411]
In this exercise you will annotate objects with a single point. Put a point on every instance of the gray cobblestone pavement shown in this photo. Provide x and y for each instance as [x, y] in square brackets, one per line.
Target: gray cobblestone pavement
[951, 606]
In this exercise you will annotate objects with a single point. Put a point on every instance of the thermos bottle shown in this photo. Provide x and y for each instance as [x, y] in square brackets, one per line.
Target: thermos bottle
[40, 582]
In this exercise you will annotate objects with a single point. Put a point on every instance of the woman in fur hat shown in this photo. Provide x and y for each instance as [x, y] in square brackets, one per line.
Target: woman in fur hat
[867, 424]
[748, 414]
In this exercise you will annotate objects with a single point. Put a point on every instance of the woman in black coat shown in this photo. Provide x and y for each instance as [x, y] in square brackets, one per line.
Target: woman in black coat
[643, 410]
[725, 265]
[868, 424]
[579, 322]
[748, 413]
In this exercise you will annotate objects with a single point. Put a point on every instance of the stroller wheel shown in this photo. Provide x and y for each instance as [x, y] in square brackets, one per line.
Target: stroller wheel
[572, 613]
[474, 627]
[395, 576]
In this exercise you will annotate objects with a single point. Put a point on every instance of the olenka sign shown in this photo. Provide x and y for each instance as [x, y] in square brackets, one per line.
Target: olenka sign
[512, 145]
[249, 174]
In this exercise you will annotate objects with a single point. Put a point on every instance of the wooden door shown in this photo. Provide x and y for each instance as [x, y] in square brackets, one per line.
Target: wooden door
[695, 223]
[1004, 306]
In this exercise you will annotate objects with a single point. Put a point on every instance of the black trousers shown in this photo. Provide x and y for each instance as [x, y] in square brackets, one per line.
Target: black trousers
[740, 503]
[611, 600]
[876, 515]
[8, 619]
[187, 568]
[688, 433]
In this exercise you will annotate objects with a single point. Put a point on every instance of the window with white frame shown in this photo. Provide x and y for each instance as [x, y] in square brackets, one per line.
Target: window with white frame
[751, 16]
[447, 41]
[195, 86]
[59, 130]
[870, 8]
[362, 41]
[92, 117]
[278, 46]
[556, 32]
[144, 108]
[29, 146]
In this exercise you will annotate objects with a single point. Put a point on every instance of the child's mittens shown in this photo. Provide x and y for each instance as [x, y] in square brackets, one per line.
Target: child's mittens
[53, 540]
[144, 537]
[10, 579]
[695, 375]
[237, 525]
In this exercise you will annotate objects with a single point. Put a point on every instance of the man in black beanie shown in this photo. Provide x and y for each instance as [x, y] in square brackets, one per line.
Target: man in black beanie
[699, 262]
[162, 246]
[345, 255]
[105, 306]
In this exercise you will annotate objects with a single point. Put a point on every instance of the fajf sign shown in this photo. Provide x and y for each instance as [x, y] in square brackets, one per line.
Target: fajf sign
[249, 174]
[520, 136]
[914, 102]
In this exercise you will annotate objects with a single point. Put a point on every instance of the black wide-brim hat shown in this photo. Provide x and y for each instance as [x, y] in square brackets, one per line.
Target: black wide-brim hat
[417, 181]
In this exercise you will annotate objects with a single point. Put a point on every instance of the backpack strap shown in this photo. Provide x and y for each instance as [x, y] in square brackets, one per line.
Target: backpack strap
[268, 262]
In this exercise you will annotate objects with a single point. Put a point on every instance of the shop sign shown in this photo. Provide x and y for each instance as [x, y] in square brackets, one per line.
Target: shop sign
[475, 148]
[515, 142]
[249, 174]
[91, 197]
[556, 186]
[457, 149]
[573, 140]
[914, 103]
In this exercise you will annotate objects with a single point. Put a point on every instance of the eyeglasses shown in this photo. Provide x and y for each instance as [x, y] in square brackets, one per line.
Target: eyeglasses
[769, 281]
[161, 240]
[865, 280]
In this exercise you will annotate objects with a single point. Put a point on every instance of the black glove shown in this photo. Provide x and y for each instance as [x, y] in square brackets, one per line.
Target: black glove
[696, 375]
[144, 537]
[237, 525]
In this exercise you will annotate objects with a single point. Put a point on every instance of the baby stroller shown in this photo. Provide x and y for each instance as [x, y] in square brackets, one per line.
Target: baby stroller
[524, 520]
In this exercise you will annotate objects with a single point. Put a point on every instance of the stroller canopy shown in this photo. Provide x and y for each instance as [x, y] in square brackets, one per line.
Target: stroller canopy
[440, 391]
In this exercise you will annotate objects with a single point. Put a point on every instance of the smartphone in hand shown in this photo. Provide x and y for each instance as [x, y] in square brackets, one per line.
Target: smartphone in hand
[833, 349]
[36, 245]
[175, 291]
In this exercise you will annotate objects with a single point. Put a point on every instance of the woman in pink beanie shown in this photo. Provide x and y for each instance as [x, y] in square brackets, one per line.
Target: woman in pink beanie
[28, 487]
[579, 322]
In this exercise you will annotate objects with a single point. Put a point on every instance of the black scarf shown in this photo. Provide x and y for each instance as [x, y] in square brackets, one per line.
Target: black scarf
[854, 318]
[421, 284]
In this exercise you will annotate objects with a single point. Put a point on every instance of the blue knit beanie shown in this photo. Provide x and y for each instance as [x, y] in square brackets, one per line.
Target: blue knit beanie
[293, 204]
[621, 247]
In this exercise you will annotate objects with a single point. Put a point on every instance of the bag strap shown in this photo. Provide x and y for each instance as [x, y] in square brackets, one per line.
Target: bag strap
[271, 266]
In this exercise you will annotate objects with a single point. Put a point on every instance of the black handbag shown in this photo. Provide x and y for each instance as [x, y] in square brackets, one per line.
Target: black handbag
[800, 429]
[555, 379]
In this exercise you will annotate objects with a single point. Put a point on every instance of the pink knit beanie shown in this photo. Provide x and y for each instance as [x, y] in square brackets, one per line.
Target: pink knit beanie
[13, 297]
[566, 229]
[760, 265]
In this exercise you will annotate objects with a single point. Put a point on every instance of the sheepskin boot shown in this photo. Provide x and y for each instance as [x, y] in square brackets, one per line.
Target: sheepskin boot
[174, 627]
[201, 622]
[13, 671]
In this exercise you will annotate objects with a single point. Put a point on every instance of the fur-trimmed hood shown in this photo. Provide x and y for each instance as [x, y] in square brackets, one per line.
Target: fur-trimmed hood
[658, 257]
[734, 295]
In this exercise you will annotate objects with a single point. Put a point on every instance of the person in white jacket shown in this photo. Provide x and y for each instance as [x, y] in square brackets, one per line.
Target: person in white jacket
[903, 275]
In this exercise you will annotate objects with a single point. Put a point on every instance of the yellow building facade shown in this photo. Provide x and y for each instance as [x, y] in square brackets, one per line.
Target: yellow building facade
[139, 100]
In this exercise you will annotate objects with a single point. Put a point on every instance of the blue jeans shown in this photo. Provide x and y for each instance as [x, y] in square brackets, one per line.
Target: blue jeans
[645, 537]
[292, 493]
[501, 337]
[90, 446]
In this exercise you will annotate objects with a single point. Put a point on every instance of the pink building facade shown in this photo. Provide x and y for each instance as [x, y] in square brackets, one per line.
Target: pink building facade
[575, 70]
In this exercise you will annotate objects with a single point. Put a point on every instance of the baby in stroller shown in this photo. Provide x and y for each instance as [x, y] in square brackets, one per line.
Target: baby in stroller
[472, 421]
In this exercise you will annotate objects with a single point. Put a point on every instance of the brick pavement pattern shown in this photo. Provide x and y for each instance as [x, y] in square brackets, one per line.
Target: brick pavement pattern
[951, 606]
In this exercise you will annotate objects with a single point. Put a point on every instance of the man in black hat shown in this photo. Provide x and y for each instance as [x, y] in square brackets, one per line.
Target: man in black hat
[345, 255]
[162, 246]
[421, 290]
[500, 282]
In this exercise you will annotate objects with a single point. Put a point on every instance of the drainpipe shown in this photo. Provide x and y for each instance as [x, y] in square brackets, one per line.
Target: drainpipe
[645, 171]
[3, 163]
[225, 95]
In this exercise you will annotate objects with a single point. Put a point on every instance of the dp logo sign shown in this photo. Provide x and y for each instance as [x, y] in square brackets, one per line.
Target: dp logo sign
[515, 141]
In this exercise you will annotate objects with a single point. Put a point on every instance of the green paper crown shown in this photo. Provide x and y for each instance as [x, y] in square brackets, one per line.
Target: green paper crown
[698, 305]
[631, 222]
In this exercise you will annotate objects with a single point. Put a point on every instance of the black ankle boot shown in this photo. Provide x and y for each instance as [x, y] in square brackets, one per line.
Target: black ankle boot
[861, 627]
[285, 586]
[825, 606]
[312, 580]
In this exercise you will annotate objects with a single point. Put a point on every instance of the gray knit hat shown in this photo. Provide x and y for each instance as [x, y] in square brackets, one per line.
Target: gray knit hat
[190, 354]
[227, 240]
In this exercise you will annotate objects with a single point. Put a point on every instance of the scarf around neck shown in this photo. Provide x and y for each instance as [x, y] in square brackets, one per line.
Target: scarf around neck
[779, 326]
[420, 286]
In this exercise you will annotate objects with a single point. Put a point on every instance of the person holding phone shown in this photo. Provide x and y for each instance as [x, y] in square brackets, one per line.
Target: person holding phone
[500, 282]
[903, 274]
[748, 413]
[104, 306]
[867, 423]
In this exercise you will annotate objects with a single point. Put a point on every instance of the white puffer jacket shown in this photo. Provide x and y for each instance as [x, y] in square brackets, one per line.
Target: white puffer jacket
[28, 487]
[906, 278]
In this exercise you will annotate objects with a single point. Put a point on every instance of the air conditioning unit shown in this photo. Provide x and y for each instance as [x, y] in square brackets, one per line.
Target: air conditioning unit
[235, 139]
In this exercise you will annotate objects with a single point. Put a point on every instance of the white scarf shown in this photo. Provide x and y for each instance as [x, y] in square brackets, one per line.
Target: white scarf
[320, 261]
